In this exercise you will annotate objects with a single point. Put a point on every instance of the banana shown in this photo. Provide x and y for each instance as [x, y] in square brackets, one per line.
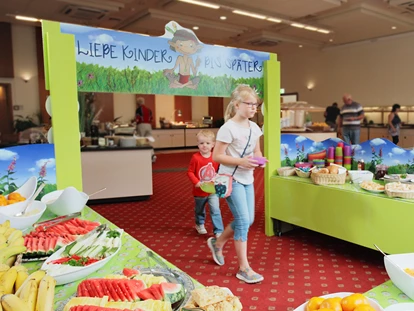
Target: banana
[10, 251]
[2, 229]
[17, 242]
[8, 279]
[9, 231]
[2, 239]
[22, 275]
[13, 236]
[46, 294]
[37, 275]
[10, 262]
[20, 268]
[11, 302]
[3, 269]
[3, 245]
[29, 294]
[6, 224]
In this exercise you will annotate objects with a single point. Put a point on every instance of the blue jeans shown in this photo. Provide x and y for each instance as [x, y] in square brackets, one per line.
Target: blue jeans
[200, 212]
[351, 136]
[241, 203]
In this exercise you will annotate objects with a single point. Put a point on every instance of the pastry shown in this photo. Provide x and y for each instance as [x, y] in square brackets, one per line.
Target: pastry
[333, 169]
[323, 171]
[208, 295]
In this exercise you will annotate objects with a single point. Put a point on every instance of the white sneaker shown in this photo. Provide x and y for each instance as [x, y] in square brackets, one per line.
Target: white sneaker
[218, 235]
[200, 229]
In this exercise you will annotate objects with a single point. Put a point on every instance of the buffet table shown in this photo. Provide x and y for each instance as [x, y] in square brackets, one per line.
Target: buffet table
[343, 211]
[131, 255]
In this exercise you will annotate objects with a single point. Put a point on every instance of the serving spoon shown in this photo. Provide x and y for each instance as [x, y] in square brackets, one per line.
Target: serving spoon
[31, 200]
[385, 255]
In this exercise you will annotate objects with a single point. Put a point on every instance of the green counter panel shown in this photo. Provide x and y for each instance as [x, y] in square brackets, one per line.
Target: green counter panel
[344, 212]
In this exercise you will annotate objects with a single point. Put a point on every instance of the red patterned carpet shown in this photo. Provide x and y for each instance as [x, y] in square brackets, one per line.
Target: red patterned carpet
[296, 266]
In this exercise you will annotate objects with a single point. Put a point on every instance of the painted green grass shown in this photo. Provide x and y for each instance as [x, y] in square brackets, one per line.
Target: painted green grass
[96, 78]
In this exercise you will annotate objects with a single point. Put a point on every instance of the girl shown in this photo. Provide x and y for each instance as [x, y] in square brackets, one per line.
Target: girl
[236, 136]
[394, 123]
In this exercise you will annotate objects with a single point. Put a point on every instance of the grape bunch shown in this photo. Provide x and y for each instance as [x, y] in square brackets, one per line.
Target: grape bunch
[220, 190]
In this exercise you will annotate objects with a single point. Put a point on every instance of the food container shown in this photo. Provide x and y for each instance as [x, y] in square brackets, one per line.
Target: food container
[67, 201]
[400, 190]
[359, 176]
[395, 265]
[32, 215]
[303, 165]
[302, 173]
[329, 179]
[286, 171]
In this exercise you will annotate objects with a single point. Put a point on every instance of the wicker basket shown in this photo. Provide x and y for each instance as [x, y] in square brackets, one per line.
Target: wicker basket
[328, 179]
[400, 194]
[286, 171]
[303, 174]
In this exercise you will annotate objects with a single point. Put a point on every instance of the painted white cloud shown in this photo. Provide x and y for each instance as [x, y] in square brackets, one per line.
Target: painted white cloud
[50, 162]
[245, 57]
[397, 161]
[398, 151]
[32, 170]
[312, 149]
[104, 39]
[7, 155]
[76, 29]
[356, 147]
[317, 144]
[284, 146]
[390, 154]
[336, 139]
[412, 152]
[362, 152]
[378, 142]
[300, 139]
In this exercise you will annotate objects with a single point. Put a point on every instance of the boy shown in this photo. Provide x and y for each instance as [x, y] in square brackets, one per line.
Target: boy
[203, 169]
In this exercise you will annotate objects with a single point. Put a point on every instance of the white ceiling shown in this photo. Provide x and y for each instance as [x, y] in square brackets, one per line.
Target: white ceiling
[348, 21]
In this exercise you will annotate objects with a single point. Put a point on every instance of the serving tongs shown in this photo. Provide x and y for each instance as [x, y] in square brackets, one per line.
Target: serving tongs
[54, 221]
[162, 264]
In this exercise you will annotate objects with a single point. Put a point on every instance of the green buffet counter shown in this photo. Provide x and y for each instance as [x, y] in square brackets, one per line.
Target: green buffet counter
[133, 254]
[345, 212]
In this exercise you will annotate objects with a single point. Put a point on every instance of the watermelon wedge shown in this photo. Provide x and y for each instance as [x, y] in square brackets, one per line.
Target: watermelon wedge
[116, 289]
[173, 292]
[146, 294]
[96, 308]
[130, 272]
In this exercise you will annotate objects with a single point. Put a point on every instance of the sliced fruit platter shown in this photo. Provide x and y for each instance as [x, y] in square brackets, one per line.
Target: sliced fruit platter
[133, 290]
[42, 243]
[84, 256]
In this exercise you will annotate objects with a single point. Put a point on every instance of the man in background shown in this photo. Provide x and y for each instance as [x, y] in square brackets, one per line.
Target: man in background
[350, 117]
[331, 113]
[143, 117]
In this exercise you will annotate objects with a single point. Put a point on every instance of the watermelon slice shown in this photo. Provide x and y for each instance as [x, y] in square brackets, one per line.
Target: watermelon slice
[96, 308]
[116, 289]
[157, 291]
[173, 292]
[130, 272]
[146, 294]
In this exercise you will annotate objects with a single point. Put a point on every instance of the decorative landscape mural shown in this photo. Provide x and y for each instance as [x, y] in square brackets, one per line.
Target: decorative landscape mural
[295, 148]
[176, 63]
[17, 164]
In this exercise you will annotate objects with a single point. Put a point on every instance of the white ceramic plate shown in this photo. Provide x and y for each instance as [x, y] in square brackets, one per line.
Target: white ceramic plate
[373, 191]
[71, 273]
[373, 304]
[409, 306]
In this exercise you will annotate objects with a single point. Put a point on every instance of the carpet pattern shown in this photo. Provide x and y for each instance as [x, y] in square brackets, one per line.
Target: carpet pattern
[296, 266]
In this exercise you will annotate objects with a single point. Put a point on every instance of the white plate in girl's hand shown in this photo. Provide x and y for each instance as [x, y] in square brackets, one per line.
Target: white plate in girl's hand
[373, 303]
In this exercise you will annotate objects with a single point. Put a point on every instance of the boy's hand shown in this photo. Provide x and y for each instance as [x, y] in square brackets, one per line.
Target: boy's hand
[198, 185]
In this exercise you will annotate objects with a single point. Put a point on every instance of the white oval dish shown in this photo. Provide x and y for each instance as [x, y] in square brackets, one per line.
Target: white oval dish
[373, 303]
[65, 202]
[23, 222]
[26, 190]
[72, 273]
[408, 306]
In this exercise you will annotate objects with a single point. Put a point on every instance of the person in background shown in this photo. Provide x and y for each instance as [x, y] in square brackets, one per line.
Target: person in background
[202, 168]
[236, 135]
[349, 125]
[143, 118]
[394, 123]
[331, 113]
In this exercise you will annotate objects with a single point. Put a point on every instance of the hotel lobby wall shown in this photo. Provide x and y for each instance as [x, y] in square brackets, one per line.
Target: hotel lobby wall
[375, 73]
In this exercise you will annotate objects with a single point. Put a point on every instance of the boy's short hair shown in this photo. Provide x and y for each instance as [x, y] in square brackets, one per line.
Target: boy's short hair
[206, 133]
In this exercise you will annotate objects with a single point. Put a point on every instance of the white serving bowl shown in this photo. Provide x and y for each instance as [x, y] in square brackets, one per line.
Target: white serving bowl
[64, 202]
[394, 264]
[372, 303]
[26, 190]
[360, 176]
[23, 222]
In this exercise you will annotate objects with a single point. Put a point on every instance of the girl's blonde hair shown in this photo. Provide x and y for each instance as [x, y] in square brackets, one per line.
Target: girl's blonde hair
[237, 96]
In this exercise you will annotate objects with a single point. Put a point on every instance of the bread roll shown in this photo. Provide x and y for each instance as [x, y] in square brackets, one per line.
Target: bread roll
[323, 171]
[333, 169]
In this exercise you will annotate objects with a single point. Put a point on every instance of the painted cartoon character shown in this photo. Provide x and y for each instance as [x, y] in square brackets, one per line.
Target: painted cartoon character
[187, 44]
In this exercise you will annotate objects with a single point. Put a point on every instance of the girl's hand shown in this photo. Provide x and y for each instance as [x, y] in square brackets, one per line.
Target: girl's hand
[248, 162]
[198, 185]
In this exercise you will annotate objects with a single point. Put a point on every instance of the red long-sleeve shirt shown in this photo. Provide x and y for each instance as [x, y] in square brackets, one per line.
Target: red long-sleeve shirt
[201, 169]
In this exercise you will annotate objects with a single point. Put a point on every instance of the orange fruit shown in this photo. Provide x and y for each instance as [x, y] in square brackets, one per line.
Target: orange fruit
[11, 201]
[332, 303]
[326, 309]
[314, 303]
[350, 302]
[14, 196]
[364, 308]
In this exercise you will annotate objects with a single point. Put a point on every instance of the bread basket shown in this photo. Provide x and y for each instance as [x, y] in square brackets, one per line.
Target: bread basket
[329, 179]
[301, 173]
[286, 171]
[399, 190]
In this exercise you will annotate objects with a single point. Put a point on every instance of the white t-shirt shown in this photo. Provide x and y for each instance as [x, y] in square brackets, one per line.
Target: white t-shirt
[237, 136]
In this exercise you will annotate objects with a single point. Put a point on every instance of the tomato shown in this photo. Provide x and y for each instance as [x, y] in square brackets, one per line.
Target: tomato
[314, 303]
[352, 301]
[332, 303]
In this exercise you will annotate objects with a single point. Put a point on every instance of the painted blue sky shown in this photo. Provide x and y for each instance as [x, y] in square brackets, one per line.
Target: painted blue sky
[29, 160]
[209, 54]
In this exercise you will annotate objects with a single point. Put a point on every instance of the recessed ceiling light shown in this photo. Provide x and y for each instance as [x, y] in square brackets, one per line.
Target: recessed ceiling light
[394, 27]
[297, 25]
[323, 31]
[301, 46]
[330, 40]
[26, 18]
[201, 3]
[249, 14]
[223, 18]
[311, 28]
[196, 28]
[274, 20]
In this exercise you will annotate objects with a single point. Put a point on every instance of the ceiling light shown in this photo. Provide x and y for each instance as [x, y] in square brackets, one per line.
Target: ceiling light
[323, 31]
[223, 18]
[26, 18]
[196, 28]
[394, 27]
[274, 20]
[301, 46]
[311, 28]
[330, 40]
[108, 5]
[297, 25]
[249, 14]
[201, 3]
